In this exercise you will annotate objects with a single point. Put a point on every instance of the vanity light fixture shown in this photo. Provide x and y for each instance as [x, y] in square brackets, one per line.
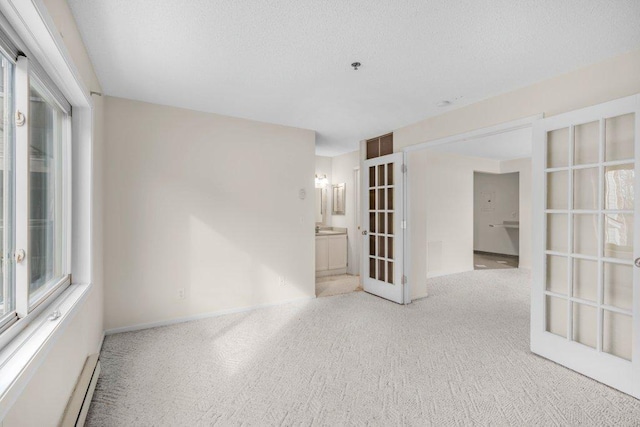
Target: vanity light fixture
[321, 181]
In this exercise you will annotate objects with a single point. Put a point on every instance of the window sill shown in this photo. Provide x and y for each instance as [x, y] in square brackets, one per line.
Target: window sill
[21, 357]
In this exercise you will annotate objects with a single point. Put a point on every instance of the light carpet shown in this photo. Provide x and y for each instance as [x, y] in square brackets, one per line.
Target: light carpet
[459, 357]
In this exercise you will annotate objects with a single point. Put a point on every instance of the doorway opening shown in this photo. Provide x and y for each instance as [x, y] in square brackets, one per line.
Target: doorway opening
[441, 199]
[496, 220]
[337, 202]
[473, 222]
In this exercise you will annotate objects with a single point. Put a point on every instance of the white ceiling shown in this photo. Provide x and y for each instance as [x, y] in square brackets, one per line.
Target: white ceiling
[514, 144]
[288, 61]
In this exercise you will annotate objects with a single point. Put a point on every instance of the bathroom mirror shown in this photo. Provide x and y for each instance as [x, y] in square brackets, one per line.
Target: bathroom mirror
[338, 198]
[321, 204]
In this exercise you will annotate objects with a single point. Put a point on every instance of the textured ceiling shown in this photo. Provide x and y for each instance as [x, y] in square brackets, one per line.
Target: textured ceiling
[288, 61]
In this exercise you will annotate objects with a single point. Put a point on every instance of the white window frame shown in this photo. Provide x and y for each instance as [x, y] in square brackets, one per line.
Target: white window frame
[7, 319]
[23, 175]
[26, 310]
[20, 358]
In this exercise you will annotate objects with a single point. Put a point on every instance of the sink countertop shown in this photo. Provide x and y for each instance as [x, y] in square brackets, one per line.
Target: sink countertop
[331, 231]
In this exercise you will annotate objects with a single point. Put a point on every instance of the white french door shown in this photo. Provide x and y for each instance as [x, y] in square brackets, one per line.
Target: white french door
[382, 233]
[585, 293]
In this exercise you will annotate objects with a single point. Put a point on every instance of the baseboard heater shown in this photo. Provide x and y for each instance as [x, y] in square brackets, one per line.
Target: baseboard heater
[78, 405]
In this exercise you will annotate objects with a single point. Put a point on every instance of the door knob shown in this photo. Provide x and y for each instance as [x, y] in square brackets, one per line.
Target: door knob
[637, 262]
[364, 233]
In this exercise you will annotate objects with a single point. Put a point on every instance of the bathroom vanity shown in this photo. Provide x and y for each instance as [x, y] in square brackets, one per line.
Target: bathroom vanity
[331, 251]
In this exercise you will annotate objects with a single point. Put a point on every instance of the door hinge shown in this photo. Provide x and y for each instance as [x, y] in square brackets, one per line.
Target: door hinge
[403, 168]
[404, 279]
[403, 225]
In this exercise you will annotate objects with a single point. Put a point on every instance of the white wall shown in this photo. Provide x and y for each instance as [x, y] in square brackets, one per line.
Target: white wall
[417, 221]
[44, 399]
[449, 210]
[441, 212]
[206, 203]
[523, 167]
[601, 82]
[342, 170]
[503, 191]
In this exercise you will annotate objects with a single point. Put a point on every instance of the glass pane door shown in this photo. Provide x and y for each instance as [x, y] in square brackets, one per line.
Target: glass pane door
[381, 227]
[590, 210]
[383, 183]
[585, 301]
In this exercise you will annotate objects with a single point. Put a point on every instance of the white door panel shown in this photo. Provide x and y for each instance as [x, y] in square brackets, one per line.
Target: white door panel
[585, 294]
[382, 243]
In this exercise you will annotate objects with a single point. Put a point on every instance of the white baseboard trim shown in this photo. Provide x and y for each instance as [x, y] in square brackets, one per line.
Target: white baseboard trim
[168, 322]
[418, 297]
[449, 273]
[446, 273]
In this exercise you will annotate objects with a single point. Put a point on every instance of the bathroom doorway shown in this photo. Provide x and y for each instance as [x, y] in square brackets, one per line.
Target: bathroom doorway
[336, 228]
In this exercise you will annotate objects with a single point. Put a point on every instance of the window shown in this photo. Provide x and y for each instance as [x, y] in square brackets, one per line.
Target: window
[46, 236]
[34, 190]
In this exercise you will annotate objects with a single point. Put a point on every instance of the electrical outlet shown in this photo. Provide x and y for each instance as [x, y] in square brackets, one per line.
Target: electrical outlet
[181, 293]
[282, 281]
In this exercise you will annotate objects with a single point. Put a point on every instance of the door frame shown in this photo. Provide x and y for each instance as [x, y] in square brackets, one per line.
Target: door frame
[513, 125]
[357, 221]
